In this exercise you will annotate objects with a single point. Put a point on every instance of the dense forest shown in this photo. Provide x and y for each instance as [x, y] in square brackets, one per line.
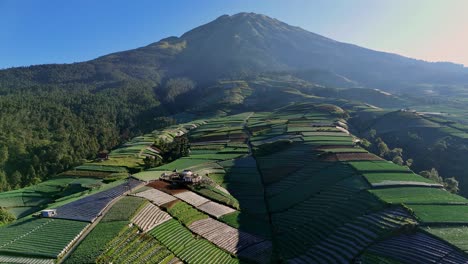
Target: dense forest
[48, 130]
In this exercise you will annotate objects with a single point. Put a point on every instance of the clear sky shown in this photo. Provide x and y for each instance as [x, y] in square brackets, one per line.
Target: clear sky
[63, 31]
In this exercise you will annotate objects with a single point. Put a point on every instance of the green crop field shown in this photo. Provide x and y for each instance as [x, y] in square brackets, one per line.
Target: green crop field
[181, 164]
[124, 209]
[95, 242]
[132, 247]
[377, 166]
[185, 213]
[441, 213]
[418, 195]
[456, 235]
[216, 195]
[39, 237]
[396, 176]
[180, 240]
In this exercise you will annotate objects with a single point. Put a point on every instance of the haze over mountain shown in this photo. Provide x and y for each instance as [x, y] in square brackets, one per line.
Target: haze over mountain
[245, 44]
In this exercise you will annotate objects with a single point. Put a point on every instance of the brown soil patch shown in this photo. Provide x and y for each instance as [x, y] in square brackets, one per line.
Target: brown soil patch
[166, 187]
[332, 147]
[210, 138]
[349, 157]
[356, 156]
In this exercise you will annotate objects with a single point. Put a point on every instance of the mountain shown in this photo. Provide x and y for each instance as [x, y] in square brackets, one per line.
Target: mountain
[242, 45]
[56, 115]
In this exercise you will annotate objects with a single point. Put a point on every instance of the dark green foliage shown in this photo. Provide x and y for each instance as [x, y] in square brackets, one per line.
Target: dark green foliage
[175, 149]
[151, 162]
[6, 217]
[47, 130]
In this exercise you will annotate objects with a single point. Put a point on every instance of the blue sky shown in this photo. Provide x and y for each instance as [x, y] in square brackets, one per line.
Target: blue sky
[53, 31]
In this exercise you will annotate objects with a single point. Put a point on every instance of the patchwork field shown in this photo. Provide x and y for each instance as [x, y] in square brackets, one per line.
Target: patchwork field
[287, 186]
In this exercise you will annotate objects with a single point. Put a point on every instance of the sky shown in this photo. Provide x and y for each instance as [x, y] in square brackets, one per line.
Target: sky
[57, 31]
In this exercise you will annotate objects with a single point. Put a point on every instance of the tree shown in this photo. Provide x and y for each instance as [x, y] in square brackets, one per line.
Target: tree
[365, 143]
[4, 186]
[3, 154]
[398, 160]
[6, 217]
[409, 162]
[396, 152]
[451, 185]
[16, 179]
[151, 162]
[433, 174]
[383, 148]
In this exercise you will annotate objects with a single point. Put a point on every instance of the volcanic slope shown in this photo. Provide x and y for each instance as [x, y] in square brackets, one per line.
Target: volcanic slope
[291, 185]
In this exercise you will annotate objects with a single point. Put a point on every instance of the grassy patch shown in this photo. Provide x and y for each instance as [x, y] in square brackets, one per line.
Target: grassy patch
[380, 177]
[185, 213]
[457, 236]
[124, 209]
[441, 213]
[417, 195]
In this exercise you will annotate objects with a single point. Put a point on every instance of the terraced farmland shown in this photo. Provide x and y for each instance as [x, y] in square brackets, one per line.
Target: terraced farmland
[90, 207]
[149, 217]
[44, 238]
[179, 240]
[232, 240]
[289, 186]
[131, 247]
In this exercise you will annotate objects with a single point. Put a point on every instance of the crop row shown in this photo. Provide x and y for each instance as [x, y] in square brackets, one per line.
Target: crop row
[94, 244]
[149, 217]
[418, 248]
[180, 240]
[40, 237]
[90, 207]
[131, 247]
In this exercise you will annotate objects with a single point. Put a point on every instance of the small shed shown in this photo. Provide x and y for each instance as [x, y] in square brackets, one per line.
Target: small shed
[49, 213]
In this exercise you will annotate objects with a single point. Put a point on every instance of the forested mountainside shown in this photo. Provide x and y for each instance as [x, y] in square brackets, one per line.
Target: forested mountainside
[55, 116]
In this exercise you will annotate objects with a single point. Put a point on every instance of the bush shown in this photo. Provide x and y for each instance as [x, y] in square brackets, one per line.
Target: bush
[6, 217]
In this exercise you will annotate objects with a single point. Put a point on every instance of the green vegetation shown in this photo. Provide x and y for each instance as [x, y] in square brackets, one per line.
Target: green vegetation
[216, 195]
[124, 209]
[131, 247]
[396, 176]
[49, 238]
[441, 213]
[6, 217]
[248, 223]
[456, 235]
[180, 240]
[307, 187]
[28, 200]
[417, 195]
[95, 242]
[185, 213]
